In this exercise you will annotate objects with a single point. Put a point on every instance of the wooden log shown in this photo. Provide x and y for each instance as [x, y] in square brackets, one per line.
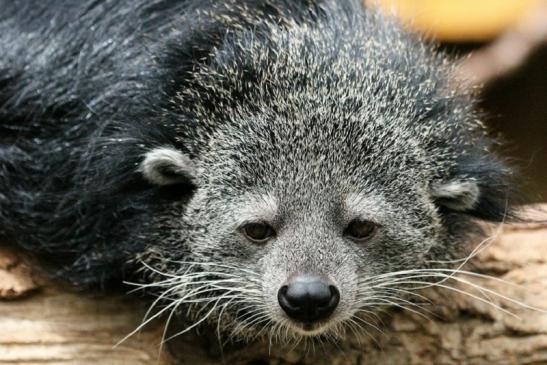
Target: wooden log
[41, 322]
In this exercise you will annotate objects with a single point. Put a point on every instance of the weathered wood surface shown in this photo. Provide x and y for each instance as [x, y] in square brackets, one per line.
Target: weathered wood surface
[45, 324]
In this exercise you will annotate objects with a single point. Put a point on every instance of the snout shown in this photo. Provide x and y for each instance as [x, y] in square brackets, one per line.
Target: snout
[308, 298]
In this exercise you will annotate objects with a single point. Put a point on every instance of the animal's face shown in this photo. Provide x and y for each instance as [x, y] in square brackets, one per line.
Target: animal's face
[324, 169]
[303, 230]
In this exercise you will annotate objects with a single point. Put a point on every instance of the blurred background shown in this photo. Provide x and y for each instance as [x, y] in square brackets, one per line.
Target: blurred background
[502, 49]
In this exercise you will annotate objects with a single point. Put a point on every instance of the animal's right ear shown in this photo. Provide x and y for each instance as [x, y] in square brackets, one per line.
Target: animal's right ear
[167, 166]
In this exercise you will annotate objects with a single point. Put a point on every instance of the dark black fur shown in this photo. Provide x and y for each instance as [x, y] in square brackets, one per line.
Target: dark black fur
[85, 91]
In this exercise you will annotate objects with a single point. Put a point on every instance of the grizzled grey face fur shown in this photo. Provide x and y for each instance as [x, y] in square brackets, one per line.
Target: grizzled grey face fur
[305, 131]
[272, 167]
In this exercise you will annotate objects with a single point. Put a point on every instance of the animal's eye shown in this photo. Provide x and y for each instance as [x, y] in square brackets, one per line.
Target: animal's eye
[258, 232]
[360, 230]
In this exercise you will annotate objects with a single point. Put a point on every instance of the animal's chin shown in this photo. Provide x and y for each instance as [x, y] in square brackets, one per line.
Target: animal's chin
[309, 329]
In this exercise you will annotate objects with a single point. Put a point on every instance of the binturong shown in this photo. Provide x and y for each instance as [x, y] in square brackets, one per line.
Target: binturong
[272, 168]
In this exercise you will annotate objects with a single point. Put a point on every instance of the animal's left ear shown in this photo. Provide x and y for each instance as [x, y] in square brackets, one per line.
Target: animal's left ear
[167, 166]
[457, 195]
[481, 186]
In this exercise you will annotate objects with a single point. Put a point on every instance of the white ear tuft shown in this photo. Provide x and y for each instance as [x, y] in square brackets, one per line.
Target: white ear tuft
[166, 166]
[457, 194]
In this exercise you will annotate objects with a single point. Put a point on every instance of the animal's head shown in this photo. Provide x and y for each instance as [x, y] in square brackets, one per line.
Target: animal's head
[326, 160]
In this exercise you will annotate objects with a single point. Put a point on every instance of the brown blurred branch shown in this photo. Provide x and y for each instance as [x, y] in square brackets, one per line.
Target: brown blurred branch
[508, 52]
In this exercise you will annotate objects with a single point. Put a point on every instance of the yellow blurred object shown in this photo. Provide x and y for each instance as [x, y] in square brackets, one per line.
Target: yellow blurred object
[459, 20]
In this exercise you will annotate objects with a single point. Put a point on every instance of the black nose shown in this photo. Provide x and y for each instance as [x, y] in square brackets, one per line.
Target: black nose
[308, 298]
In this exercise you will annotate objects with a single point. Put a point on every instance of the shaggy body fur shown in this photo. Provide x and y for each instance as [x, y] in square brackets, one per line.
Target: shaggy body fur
[301, 113]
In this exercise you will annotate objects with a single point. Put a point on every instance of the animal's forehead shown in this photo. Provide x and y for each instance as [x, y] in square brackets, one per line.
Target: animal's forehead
[274, 207]
[315, 153]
